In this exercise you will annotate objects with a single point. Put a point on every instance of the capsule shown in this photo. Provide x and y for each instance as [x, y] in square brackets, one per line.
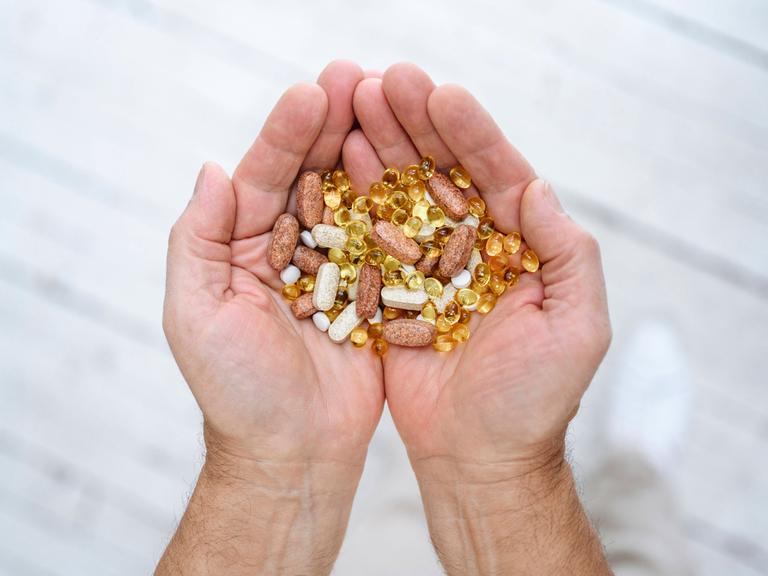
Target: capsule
[467, 298]
[512, 242]
[433, 287]
[410, 175]
[429, 312]
[375, 256]
[460, 332]
[485, 228]
[399, 218]
[306, 283]
[378, 193]
[476, 206]
[420, 209]
[375, 330]
[362, 205]
[497, 285]
[460, 177]
[494, 245]
[530, 261]
[357, 229]
[342, 217]
[393, 278]
[427, 167]
[397, 199]
[511, 276]
[452, 312]
[391, 313]
[444, 343]
[482, 274]
[332, 198]
[358, 337]
[436, 216]
[291, 292]
[337, 256]
[412, 226]
[498, 263]
[415, 280]
[486, 302]
[391, 177]
[416, 190]
[379, 347]
[341, 180]
[356, 246]
[442, 324]
[348, 272]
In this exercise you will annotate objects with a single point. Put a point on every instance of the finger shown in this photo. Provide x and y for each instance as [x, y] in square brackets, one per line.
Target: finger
[264, 175]
[361, 162]
[339, 80]
[373, 74]
[381, 127]
[198, 266]
[498, 170]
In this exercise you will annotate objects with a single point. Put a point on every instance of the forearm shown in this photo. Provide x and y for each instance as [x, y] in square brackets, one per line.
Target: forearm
[499, 520]
[249, 517]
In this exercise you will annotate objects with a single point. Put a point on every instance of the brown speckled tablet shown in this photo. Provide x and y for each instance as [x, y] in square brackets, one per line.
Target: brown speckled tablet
[368, 289]
[309, 199]
[391, 239]
[328, 216]
[406, 332]
[308, 260]
[285, 235]
[457, 250]
[448, 196]
[427, 264]
[303, 307]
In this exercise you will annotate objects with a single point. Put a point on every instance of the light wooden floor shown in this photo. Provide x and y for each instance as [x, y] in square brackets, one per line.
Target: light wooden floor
[650, 117]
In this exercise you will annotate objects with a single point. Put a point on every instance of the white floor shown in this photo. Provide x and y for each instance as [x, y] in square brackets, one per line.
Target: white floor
[651, 117]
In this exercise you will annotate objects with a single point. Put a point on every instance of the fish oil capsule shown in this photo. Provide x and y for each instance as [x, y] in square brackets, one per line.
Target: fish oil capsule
[291, 292]
[378, 192]
[379, 346]
[356, 229]
[497, 285]
[460, 332]
[385, 211]
[427, 167]
[348, 272]
[530, 261]
[442, 235]
[306, 283]
[397, 199]
[410, 175]
[467, 298]
[485, 228]
[341, 299]
[390, 263]
[498, 263]
[415, 280]
[442, 324]
[342, 217]
[399, 217]
[476, 206]
[452, 312]
[486, 303]
[358, 337]
[420, 209]
[393, 278]
[356, 246]
[444, 343]
[337, 256]
[391, 313]
[465, 316]
[433, 287]
[375, 330]
[391, 177]
[348, 198]
[341, 180]
[416, 190]
[362, 205]
[511, 276]
[375, 256]
[326, 176]
[436, 216]
[332, 314]
[412, 226]
[429, 312]
[480, 289]
[332, 198]
[494, 245]
[430, 249]
[512, 242]
[460, 177]
[482, 274]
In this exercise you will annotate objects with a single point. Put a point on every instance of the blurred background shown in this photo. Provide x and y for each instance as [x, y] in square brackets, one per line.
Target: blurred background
[650, 118]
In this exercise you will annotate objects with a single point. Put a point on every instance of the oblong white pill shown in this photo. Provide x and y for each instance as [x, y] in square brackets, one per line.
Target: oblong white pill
[426, 232]
[290, 274]
[408, 268]
[450, 222]
[448, 293]
[352, 288]
[328, 236]
[322, 322]
[307, 240]
[471, 220]
[326, 286]
[400, 297]
[462, 279]
[377, 318]
[474, 259]
[345, 322]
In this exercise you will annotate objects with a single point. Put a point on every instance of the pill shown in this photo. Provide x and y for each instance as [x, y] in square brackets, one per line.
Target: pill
[457, 251]
[358, 337]
[345, 322]
[391, 239]
[290, 274]
[449, 290]
[379, 346]
[460, 177]
[427, 167]
[426, 232]
[530, 261]
[471, 220]
[368, 290]
[448, 196]
[427, 264]
[352, 288]
[476, 206]
[309, 199]
[329, 236]
[327, 216]
[462, 279]
[285, 235]
[326, 286]
[308, 260]
[321, 321]
[408, 268]
[405, 332]
[474, 259]
[290, 292]
[307, 240]
[378, 318]
[403, 298]
[303, 307]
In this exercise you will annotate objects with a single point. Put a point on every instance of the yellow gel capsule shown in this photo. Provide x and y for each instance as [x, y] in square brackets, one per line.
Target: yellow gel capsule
[494, 245]
[415, 280]
[485, 228]
[362, 205]
[428, 311]
[348, 198]
[356, 246]
[486, 303]
[497, 284]
[337, 256]
[442, 324]
[482, 274]
[417, 190]
[393, 278]
[357, 229]
[399, 217]
[341, 298]
[379, 346]
[465, 316]
[452, 312]
[442, 235]
[433, 287]
[291, 292]
[391, 313]
[430, 248]
[375, 330]
[444, 343]
[391, 177]
[498, 263]
[341, 180]
[427, 167]
[512, 242]
[410, 175]
[375, 256]
[530, 261]
[412, 226]
[479, 288]
[466, 297]
[397, 199]
[460, 177]
[342, 217]
[384, 211]
[420, 210]
[332, 198]
[306, 283]
[460, 332]
[390, 263]
[511, 276]
[436, 216]
[326, 176]
[410, 314]
[348, 272]
[358, 337]
[333, 313]
[476, 206]
[378, 193]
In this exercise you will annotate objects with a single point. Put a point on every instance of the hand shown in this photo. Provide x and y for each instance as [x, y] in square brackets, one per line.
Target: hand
[495, 410]
[288, 414]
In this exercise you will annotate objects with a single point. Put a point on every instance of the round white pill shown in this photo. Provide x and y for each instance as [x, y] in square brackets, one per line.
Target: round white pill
[290, 274]
[462, 279]
[378, 317]
[321, 321]
[307, 240]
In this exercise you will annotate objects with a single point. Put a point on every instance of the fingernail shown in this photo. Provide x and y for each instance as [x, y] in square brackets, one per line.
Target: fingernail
[551, 197]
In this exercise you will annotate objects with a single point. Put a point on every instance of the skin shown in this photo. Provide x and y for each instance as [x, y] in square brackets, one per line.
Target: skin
[484, 426]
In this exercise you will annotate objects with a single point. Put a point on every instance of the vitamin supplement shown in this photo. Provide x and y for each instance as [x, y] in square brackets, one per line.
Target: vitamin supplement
[447, 196]
[303, 307]
[308, 260]
[393, 278]
[415, 280]
[482, 274]
[342, 217]
[498, 263]
[326, 286]
[337, 256]
[530, 261]
[341, 180]
[471, 221]
[375, 330]
[290, 274]
[416, 191]
[476, 206]
[329, 236]
[332, 198]
[345, 322]
[290, 292]
[460, 332]
[403, 298]
[392, 240]
[391, 177]
[436, 216]
[368, 290]
[428, 312]
[410, 333]
[442, 325]
[379, 346]
[494, 244]
[462, 279]
[460, 177]
[449, 292]
[444, 343]
[307, 240]
[497, 285]
[452, 312]
[358, 337]
[391, 313]
[512, 242]
[309, 199]
[412, 226]
[410, 175]
[321, 321]
[457, 251]
[327, 216]
[357, 229]
[486, 303]
[348, 273]
[474, 259]
[285, 235]
[427, 264]
[306, 283]
[378, 318]
[427, 167]
[485, 228]
[467, 298]
[433, 287]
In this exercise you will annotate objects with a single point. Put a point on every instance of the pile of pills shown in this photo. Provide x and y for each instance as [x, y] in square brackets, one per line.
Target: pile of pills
[414, 258]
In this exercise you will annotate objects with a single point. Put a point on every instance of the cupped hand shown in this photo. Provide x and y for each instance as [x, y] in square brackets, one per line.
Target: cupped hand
[507, 395]
[270, 387]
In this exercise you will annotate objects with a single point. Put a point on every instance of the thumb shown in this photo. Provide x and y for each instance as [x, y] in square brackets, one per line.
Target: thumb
[571, 268]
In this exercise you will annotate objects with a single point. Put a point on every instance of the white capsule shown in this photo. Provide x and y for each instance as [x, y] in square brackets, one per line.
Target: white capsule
[322, 322]
[449, 290]
[377, 318]
[328, 236]
[426, 232]
[471, 220]
[345, 322]
[290, 274]
[474, 259]
[450, 222]
[326, 286]
[401, 297]
[408, 268]
[307, 240]
[462, 279]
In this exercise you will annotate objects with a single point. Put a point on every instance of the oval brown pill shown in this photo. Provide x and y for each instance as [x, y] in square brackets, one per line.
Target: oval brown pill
[427, 264]
[406, 332]
[368, 290]
[328, 216]
[448, 196]
[309, 199]
[457, 250]
[308, 260]
[394, 242]
[303, 307]
[285, 235]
